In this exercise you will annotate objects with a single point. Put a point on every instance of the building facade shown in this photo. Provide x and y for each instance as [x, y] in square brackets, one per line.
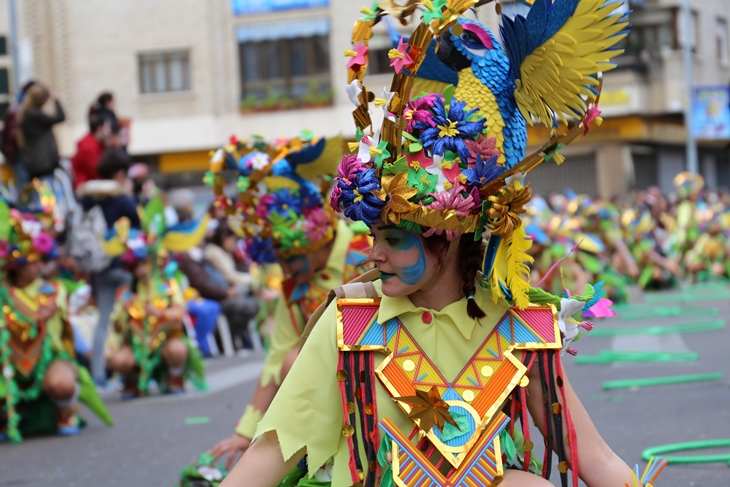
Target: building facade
[190, 73]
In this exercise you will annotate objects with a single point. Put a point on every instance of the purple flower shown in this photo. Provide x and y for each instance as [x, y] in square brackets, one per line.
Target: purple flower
[357, 201]
[484, 172]
[451, 129]
[419, 111]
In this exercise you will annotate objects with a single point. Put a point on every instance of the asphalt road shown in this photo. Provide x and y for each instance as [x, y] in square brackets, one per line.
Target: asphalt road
[151, 441]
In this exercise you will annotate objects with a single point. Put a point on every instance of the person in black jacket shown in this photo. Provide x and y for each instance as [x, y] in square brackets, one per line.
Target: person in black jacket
[38, 148]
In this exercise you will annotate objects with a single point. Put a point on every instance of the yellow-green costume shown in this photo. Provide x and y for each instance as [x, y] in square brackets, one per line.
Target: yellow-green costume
[27, 348]
[307, 410]
[346, 261]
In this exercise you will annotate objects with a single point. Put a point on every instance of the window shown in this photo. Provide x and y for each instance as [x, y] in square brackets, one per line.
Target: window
[285, 65]
[721, 40]
[164, 72]
[694, 26]
[650, 34]
[3, 45]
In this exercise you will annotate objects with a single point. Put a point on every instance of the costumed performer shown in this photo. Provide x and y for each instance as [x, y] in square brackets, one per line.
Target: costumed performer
[149, 340]
[283, 215]
[41, 379]
[420, 377]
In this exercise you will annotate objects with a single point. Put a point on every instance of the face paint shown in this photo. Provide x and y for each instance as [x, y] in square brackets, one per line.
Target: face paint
[402, 241]
[299, 265]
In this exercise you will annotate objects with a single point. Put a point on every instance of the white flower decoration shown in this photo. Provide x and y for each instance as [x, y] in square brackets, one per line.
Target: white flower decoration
[367, 142]
[515, 177]
[259, 161]
[353, 91]
[568, 326]
[436, 169]
[31, 228]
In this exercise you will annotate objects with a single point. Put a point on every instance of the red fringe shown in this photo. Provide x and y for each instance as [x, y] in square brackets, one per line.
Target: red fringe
[346, 418]
[572, 437]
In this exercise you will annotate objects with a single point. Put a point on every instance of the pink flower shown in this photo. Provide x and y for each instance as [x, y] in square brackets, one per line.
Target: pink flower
[4, 249]
[359, 56]
[316, 225]
[602, 309]
[454, 200]
[418, 111]
[348, 168]
[335, 196]
[593, 114]
[485, 147]
[399, 58]
[43, 243]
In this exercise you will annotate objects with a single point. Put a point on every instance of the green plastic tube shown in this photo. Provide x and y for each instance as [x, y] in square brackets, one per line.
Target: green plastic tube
[613, 356]
[690, 445]
[660, 381]
[683, 328]
[667, 312]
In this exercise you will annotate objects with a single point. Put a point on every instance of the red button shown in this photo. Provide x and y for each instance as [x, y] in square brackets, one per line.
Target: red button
[427, 317]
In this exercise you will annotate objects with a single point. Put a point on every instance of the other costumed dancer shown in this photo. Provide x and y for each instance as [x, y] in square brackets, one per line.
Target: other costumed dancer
[149, 342]
[283, 216]
[41, 380]
[425, 375]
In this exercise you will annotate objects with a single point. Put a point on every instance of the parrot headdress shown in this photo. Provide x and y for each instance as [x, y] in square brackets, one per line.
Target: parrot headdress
[281, 209]
[443, 150]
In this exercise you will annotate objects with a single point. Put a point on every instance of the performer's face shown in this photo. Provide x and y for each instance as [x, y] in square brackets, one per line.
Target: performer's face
[401, 256]
[299, 267]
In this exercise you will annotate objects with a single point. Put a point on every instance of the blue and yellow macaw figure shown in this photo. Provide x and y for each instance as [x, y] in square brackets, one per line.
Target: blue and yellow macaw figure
[543, 71]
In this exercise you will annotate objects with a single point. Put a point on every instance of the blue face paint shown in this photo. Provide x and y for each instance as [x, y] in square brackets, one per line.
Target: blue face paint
[403, 241]
[303, 268]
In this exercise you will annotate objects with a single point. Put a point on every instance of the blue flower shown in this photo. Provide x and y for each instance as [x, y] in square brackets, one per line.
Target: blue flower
[284, 200]
[451, 129]
[484, 172]
[261, 250]
[357, 200]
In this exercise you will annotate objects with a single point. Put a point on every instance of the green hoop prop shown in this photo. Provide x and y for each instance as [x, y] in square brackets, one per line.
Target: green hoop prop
[690, 445]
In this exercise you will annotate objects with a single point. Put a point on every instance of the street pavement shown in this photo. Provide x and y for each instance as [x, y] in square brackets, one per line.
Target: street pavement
[151, 441]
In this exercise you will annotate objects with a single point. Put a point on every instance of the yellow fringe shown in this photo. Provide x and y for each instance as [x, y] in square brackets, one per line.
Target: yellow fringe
[518, 271]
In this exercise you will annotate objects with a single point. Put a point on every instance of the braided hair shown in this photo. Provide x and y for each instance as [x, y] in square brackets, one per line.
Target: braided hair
[469, 257]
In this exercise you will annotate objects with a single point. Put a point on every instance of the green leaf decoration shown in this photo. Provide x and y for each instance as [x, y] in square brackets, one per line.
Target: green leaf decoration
[4, 220]
[152, 210]
[540, 296]
[448, 94]
[422, 181]
[399, 166]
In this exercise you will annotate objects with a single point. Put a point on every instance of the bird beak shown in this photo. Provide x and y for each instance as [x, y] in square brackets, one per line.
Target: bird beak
[449, 55]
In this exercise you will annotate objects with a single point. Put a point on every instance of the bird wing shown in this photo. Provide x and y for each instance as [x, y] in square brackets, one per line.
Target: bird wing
[556, 52]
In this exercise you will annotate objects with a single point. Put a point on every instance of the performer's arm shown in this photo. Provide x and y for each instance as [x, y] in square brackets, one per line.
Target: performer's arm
[598, 465]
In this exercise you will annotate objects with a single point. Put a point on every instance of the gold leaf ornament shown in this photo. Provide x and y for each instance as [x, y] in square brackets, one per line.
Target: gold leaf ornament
[506, 208]
[429, 409]
[398, 193]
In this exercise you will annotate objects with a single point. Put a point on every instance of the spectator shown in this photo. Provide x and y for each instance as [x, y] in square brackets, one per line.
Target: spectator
[219, 251]
[103, 108]
[109, 193]
[115, 139]
[39, 151]
[9, 146]
[89, 150]
[238, 305]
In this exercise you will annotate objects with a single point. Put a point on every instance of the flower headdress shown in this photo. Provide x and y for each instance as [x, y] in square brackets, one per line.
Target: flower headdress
[688, 184]
[452, 161]
[281, 209]
[26, 234]
[156, 241]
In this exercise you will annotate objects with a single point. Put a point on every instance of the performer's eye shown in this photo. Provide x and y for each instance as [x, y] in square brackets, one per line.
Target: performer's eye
[392, 241]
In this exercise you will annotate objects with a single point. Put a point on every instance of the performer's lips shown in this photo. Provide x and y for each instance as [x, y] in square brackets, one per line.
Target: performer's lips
[385, 275]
